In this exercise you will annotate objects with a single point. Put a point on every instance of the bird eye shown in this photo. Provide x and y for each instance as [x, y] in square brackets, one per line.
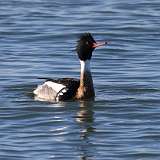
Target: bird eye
[87, 43]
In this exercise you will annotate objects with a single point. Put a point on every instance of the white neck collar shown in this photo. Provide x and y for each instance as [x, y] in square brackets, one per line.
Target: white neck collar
[85, 66]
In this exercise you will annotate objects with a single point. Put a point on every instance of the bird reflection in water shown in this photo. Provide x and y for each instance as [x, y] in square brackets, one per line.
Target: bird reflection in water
[85, 119]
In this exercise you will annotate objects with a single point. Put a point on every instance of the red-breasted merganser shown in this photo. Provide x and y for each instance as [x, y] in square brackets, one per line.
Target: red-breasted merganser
[70, 88]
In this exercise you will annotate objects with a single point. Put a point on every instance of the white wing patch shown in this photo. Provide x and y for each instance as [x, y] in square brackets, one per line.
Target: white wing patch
[55, 86]
[50, 91]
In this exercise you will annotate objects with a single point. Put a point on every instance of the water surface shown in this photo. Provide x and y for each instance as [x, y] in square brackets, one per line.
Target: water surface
[38, 38]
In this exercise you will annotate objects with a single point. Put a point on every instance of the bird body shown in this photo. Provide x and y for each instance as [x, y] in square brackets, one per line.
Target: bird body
[57, 89]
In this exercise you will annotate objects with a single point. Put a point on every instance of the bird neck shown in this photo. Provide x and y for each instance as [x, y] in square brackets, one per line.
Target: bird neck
[85, 67]
[86, 89]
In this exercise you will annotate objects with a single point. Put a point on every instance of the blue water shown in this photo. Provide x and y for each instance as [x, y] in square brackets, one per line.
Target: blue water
[38, 38]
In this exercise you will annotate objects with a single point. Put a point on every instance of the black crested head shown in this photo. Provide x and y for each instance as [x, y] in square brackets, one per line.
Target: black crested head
[85, 46]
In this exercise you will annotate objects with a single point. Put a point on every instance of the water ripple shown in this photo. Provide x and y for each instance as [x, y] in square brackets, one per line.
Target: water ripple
[122, 122]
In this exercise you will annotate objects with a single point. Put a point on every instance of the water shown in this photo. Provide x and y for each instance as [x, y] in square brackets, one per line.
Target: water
[38, 38]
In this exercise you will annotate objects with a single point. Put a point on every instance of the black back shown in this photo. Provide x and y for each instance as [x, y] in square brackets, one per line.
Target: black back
[71, 85]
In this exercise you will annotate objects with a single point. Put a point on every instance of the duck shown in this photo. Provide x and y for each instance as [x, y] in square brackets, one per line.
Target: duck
[63, 89]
